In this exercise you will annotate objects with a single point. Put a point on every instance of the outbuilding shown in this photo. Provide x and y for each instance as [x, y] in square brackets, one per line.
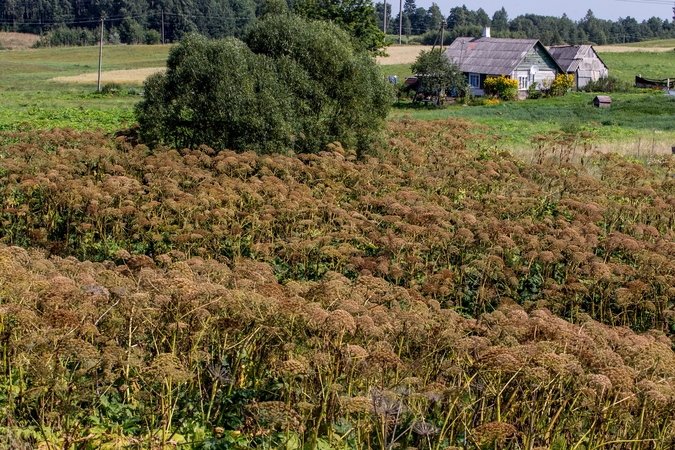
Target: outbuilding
[581, 61]
[602, 101]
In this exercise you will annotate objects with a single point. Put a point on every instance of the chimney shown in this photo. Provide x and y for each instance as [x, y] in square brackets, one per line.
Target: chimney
[486, 32]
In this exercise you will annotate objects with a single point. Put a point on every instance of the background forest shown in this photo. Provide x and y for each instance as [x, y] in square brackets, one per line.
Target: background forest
[147, 21]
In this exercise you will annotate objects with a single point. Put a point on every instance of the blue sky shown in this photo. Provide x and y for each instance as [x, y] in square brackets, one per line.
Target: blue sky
[575, 9]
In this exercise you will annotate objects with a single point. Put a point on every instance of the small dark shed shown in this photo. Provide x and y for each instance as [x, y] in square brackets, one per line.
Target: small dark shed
[602, 101]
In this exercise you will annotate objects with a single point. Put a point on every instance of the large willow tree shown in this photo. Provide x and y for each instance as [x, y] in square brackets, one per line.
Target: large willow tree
[290, 85]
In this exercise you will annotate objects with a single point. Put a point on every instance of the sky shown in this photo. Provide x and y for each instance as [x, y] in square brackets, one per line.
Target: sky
[575, 9]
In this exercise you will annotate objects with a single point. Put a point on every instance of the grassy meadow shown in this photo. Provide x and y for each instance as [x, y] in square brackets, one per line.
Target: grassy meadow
[28, 95]
[636, 121]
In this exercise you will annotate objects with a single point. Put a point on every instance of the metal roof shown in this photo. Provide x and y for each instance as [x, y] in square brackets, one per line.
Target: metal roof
[492, 56]
[569, 57]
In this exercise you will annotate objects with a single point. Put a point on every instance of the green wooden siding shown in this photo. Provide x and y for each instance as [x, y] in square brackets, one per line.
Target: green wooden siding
[536, 56]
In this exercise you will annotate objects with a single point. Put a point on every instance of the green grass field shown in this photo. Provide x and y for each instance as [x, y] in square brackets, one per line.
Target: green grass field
[28, 95]
[625, 66]
[631, 117]
[662, 43]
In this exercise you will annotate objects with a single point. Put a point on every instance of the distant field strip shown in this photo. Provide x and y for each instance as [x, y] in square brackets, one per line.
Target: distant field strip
[11, 40]
[403, 54]
[626, 49]
[397, 55]
[407, 54]
[131, 76]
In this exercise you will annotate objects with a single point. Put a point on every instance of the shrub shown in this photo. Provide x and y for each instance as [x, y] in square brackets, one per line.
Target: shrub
[608, 84]
[153, 37]
[111, 89]
[64, 36]
[293, 85]
[501, 86]
[562, 83]
[533, 92]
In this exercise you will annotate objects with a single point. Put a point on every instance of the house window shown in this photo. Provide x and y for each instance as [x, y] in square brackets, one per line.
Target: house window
[523, 82]
[474, 80]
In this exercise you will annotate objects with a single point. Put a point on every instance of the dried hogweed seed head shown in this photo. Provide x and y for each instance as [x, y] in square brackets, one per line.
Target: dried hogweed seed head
[356, 405]
[383, 359]
[339, 321]
[354, 351]
[123, 255]
[601, 384]
[656, 398]
[321, 360]
[424, 429]
[304, 406]
[494, 433]
[292, 367]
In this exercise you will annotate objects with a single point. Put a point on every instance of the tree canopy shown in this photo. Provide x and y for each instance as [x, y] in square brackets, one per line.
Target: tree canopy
[355, 16]
[291, 85]
[436, 73]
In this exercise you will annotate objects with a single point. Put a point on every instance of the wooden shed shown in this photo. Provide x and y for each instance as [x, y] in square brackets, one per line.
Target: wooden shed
[580, 60]
[602, 101]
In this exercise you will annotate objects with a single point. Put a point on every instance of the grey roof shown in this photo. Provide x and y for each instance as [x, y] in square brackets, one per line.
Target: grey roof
[569, 57]
[492, 56]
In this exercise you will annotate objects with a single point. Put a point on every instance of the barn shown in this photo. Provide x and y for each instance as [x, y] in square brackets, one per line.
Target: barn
[525, 60]
[580, 60]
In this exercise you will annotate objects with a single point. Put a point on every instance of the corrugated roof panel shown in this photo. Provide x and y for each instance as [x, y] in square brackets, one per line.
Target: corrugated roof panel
[492, 56]
[569, 57]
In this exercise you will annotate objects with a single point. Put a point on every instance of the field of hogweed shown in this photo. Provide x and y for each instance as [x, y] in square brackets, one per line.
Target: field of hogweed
[435, 294]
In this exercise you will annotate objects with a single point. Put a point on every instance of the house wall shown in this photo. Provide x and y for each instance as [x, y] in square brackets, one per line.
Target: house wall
[591, 68]
[543, 74]
[477, 91]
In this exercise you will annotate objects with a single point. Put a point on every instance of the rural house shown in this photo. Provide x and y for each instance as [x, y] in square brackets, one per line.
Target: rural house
[580, 60]
[525, 60]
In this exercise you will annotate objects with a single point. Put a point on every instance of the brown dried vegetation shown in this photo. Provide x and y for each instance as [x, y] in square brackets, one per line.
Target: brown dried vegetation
[434, 294]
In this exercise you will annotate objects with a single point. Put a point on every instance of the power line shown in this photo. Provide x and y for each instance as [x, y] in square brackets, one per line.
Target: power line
[648, 2]
[122, 17]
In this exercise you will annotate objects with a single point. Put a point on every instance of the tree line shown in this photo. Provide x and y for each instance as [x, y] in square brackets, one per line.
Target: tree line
[76, 22]
[461, 21]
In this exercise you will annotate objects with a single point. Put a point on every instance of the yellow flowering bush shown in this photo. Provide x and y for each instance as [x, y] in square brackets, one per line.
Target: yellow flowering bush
[490, 102]
[501, 86]
[562, 83]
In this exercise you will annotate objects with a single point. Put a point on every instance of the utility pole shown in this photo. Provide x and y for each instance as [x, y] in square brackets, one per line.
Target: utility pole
[163, 26]
[100, 57]
[384, 20]
[400, 22]
[442, 34]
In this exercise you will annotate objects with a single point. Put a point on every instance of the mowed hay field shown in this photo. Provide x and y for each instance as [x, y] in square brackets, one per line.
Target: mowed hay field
[396, 55]
[402, 54]
[130, 76]
[11, 40]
